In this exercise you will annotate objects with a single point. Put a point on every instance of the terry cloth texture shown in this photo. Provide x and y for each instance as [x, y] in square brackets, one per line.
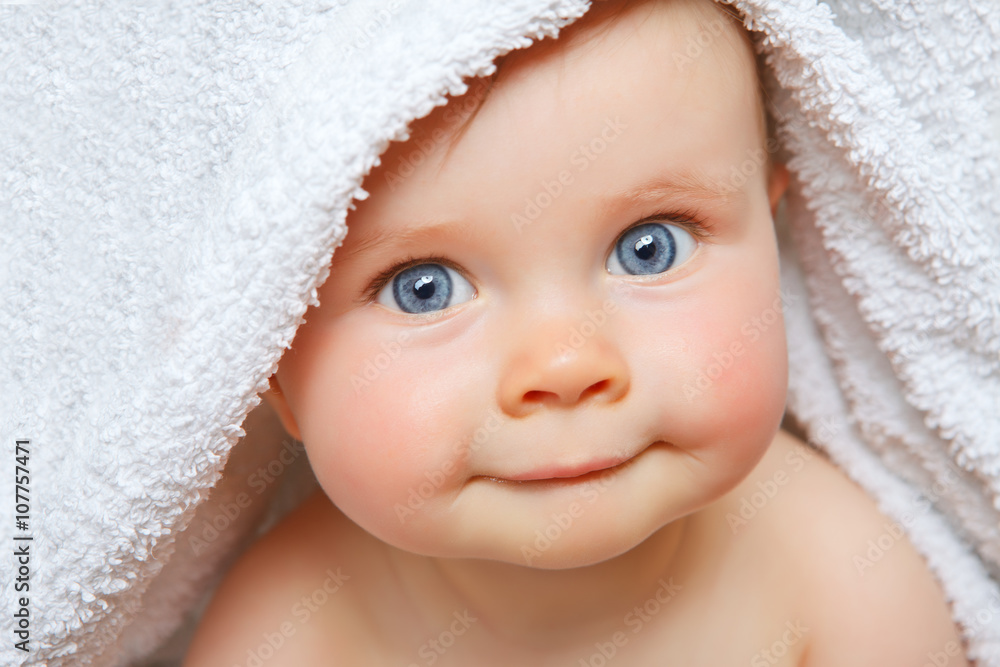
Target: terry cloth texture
[176, 177]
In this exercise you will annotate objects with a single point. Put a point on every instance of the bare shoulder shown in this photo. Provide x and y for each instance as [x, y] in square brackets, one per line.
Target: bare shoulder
[870, 595]
[283, 598]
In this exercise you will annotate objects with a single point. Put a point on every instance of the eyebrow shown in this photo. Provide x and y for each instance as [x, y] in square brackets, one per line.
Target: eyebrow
[692, 186]
[403, 236]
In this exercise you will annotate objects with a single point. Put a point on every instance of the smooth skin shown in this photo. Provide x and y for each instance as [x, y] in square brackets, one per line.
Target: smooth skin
[550, 469]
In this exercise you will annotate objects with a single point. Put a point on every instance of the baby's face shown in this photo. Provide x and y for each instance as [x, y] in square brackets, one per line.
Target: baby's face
[563, 314]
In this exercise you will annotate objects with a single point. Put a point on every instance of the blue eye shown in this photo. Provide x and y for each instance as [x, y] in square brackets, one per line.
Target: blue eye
[651, 248]
[426, 288]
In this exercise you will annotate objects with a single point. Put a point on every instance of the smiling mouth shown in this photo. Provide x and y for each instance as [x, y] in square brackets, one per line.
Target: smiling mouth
[563, 476]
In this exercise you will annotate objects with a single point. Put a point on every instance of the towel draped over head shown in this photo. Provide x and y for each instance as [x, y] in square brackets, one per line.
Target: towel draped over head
[176, 176]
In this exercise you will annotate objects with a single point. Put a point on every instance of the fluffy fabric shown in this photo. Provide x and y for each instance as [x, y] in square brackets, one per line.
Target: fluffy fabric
[176, 178]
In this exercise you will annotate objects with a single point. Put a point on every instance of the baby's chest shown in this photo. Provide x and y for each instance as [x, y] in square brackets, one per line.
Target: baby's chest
[749, 637]
[736, 631]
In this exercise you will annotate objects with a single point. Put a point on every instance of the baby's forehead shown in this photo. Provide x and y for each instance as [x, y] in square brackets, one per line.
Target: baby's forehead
[615, 40]
[680, 75]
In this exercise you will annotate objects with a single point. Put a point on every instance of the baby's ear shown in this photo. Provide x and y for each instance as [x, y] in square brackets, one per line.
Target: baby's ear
[277, 400]
[777, 185]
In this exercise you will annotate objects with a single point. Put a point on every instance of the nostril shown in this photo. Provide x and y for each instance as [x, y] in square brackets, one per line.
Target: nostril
[534, 396]
[595, 388]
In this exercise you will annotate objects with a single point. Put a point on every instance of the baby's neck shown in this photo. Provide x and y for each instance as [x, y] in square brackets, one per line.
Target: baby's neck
[531, 607]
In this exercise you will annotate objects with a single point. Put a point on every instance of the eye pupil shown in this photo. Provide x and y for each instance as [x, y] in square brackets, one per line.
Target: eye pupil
[645, 247]
[424, 287]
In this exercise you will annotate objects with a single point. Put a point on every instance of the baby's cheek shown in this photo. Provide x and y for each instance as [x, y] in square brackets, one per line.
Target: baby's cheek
[724, 373]
[753, 391]
[364, 419]
[387, 437]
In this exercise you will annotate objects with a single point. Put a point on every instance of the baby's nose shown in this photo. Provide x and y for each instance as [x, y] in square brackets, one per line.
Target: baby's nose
[561, 367]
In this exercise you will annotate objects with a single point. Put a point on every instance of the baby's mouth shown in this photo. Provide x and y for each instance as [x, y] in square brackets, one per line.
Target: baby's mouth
[577, 474]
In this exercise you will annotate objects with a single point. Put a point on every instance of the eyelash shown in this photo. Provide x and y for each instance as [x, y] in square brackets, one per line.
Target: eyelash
[688, 219]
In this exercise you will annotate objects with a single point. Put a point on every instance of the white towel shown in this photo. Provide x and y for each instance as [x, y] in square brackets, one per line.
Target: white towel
[175, 179]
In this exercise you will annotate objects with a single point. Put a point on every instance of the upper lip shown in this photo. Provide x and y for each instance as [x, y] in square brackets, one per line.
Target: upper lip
[558, 472]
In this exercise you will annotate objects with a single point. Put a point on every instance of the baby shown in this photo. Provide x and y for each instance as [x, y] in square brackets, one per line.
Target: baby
[543, 390]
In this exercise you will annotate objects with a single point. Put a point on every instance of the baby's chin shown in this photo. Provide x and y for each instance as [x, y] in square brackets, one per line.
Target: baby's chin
[560, 542]
[555, 548]
[598, 550]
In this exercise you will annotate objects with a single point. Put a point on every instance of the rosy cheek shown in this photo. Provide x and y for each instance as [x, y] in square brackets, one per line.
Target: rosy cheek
[381, 419]
[719, 363]
[741, 376]
[753, 389]
[355, 419]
